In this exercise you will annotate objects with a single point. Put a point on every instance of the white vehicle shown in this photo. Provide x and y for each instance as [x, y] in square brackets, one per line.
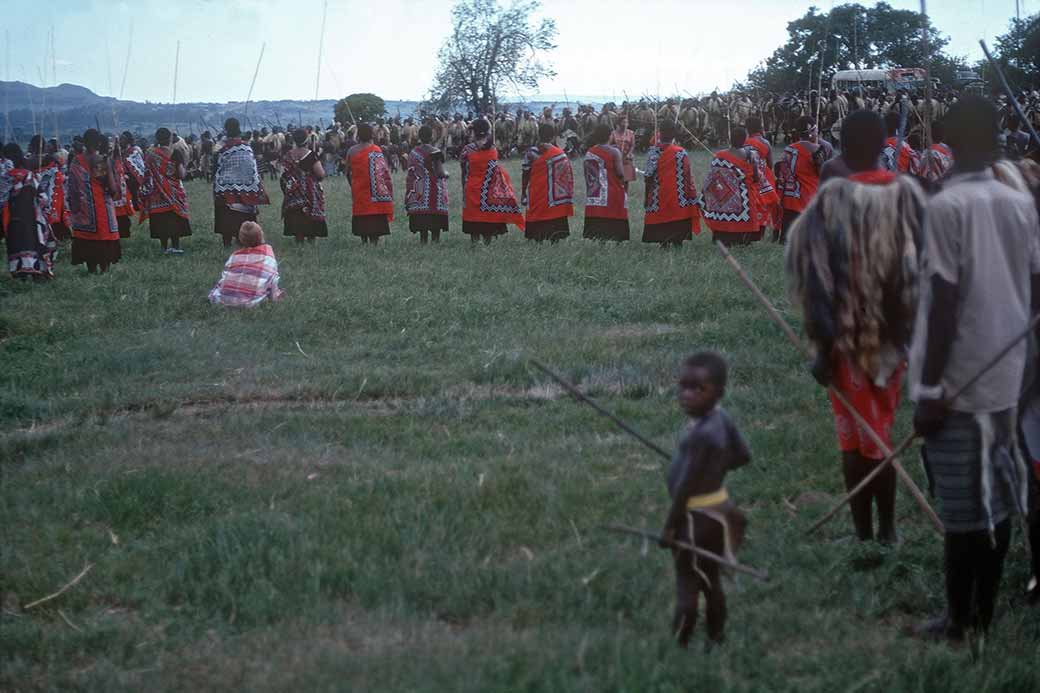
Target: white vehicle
[890, 80]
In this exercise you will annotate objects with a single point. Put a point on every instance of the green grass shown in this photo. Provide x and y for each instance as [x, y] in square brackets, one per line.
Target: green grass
[366, 487]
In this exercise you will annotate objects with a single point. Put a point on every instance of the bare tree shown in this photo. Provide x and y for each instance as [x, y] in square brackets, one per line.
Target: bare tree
[491, 47]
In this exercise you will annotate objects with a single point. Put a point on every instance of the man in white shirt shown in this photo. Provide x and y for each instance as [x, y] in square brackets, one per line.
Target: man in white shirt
[980, 280]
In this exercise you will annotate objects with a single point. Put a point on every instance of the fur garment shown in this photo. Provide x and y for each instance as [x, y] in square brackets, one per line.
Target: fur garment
[852, 266]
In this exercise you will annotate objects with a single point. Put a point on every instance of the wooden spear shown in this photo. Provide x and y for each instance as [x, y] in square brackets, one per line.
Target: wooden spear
[321, 46]
[249, 97]
[889, 459]
[1010, 94]
[176, 70]
[866, 427]
[685, 546]
[126, 65]
[581, 397]
[926, 51]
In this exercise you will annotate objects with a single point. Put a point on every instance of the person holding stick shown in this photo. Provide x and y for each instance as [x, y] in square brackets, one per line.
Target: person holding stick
[898, 155]
[853, 271]
[702, 512]
[980, 287]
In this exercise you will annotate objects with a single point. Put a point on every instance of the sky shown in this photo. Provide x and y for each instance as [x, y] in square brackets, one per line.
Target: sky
[605, 47]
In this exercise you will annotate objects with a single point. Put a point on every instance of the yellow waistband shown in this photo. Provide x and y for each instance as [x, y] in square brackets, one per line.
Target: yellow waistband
[708, 499]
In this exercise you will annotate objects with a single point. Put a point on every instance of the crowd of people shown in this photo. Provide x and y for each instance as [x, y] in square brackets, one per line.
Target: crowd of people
[94, 188]
[907, 262]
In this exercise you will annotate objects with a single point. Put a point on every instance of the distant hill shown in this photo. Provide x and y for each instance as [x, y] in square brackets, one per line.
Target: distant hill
[69, 109]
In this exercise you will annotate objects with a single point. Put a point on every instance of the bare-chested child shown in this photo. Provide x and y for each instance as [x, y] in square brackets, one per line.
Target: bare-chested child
[702, 512]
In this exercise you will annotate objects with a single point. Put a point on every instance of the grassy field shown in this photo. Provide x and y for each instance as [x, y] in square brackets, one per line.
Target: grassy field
[367, 487]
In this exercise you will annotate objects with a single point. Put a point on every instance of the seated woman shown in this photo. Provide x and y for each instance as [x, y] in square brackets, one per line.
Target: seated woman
[251, 273]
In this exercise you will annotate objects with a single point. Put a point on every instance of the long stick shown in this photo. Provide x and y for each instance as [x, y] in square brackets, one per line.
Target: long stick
[703, 553]
[54, 63]
[798, 344]
[587, 400]
[126, 65]
[7, 78]
[704, 146]
[176, 69]
[1010, 94]
[927, 52]
[63, 590]
[819, 84]
[321, 47]
[252, 84]
[910, 438]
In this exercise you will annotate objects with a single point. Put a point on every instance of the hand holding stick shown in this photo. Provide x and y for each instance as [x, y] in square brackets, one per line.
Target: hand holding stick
[685, 546]
[860, 421]
[889, 459]
[592, 403]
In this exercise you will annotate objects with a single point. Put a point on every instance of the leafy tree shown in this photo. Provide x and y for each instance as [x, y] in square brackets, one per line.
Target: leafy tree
[852, 36]
[1018, 53]
[490, 47]
[364, 107]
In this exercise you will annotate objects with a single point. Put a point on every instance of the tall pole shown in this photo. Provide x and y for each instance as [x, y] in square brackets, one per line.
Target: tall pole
[926, 51]
[54, 59]
[252, 84]
[7, 78]
[819, 88]
[176, 68]
[126, 65]
[108, 63]
[321, 47]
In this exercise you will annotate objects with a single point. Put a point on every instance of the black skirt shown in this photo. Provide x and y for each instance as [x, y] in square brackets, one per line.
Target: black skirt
[299, 224]
[603, 229]
[370, 225]
[669, 232]
[227, 222]
[124, 226]
[790, 217]
[165, 225]
[730, 238]
[550, 230]
[483, 228]
[427, 222]
[95, 252]
[60, 231]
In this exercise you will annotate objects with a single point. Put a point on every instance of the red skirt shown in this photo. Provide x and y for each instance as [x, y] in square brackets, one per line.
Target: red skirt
[877, 406]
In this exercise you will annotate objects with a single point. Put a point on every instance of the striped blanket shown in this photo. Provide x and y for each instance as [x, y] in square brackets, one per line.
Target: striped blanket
[250, 277]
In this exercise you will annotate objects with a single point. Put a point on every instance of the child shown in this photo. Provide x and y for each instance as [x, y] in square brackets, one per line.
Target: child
[250, 274]
[702, 513]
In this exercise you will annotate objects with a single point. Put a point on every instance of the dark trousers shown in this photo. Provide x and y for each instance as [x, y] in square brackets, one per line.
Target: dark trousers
[882, 490]
[790, 217]
[689, 583]
[1034, 530]
[974, 567]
